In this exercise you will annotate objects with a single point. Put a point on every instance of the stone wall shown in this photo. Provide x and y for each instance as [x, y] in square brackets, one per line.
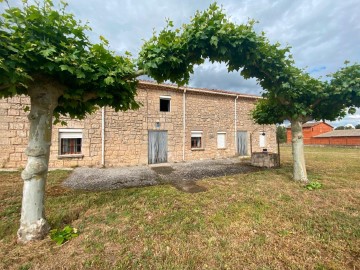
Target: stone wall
[126, 133]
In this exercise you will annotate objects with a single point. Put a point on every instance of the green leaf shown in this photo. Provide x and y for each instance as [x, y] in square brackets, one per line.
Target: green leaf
[214, 41]
[352, 110]
[48, 51]
[109, 80]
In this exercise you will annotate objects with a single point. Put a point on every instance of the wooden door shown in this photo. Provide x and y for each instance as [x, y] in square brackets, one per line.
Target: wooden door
[242, 143]
[157, 146]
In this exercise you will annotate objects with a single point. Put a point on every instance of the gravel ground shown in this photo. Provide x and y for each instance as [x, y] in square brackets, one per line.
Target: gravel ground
[182, 175]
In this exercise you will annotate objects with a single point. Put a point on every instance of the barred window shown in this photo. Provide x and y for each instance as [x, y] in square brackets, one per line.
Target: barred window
[70, 141]
[196, 139]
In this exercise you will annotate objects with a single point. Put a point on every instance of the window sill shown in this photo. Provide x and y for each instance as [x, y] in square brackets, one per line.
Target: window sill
[70, 156]
[197, 149]
[222, 148]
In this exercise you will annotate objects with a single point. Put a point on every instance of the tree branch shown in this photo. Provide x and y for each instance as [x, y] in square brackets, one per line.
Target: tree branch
[140, 73]
[2, 87]
[90, 95]
[312, 106]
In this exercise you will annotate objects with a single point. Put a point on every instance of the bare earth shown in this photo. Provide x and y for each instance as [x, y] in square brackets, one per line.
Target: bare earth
[181, 175]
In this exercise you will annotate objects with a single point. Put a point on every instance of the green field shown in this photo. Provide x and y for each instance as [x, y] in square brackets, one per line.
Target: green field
[259, 220]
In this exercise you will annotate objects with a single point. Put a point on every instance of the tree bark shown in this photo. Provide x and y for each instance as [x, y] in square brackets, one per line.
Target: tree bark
[298, 151]
[44, 94]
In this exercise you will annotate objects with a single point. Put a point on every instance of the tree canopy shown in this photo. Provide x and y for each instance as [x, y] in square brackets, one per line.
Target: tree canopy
[172, 54]
[290, 92]
[39, 40]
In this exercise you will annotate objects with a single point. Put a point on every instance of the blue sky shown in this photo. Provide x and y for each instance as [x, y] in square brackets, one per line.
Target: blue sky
[322, 33]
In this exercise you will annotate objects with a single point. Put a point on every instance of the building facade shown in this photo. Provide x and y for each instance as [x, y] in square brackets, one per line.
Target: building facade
[174, 124]
[310, 130]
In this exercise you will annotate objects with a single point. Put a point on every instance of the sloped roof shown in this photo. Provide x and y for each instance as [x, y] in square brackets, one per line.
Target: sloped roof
[340, 133]
[312, 124]
[200, 90]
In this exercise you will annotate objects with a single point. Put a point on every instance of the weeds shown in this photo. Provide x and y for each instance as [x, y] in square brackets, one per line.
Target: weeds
[313, 185]
[64, 235]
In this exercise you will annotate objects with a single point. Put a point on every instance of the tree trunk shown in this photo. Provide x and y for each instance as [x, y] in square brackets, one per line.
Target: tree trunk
[44, 94]
[298, 151]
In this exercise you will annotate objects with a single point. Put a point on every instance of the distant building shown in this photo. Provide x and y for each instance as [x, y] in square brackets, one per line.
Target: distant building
[338, 137]
[323, 134]
[311, 130]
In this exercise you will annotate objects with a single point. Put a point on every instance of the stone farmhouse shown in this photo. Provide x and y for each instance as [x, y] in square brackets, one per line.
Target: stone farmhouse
[174, 124]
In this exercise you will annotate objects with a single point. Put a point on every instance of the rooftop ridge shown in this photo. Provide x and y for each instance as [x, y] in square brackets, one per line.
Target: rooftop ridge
[204, 90]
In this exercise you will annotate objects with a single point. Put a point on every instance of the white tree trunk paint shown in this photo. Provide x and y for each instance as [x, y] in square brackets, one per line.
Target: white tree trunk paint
[103, 136]
[44, 95]
[184, 124]
[235, 125]
[299, 172]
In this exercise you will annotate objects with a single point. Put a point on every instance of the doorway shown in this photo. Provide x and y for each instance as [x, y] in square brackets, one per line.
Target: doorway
[157, 146]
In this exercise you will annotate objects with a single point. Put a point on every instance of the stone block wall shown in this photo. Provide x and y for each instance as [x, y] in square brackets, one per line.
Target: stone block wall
[126, 133]
[14, 131]
[210, 114]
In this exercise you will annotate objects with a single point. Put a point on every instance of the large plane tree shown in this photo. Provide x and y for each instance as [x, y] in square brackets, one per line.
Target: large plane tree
[45, 54]
[309, 99]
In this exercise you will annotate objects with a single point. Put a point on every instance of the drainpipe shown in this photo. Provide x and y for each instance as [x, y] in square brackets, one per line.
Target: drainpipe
[184, 123]
[235, 124]
[103, 136]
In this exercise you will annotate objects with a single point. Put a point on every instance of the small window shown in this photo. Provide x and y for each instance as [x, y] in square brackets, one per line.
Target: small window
[196, 139]
[262, 139]
[165, 103]
[70, 141]
[221, 140]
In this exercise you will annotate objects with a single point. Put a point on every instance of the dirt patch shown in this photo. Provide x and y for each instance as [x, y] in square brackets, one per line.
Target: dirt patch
[189, 186]
[181, 175]
[163, 169]
[56, 191]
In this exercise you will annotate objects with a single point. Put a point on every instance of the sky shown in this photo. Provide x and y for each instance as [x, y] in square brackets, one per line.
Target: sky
[322, 33]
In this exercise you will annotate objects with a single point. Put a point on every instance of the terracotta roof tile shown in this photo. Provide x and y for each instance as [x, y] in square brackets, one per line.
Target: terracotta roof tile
[311, 124]
[340, 133]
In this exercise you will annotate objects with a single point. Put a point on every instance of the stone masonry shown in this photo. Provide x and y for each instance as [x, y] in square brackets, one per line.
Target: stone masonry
[126, 133]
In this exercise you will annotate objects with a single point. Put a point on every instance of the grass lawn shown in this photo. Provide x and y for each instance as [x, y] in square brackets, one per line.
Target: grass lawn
[260, 220]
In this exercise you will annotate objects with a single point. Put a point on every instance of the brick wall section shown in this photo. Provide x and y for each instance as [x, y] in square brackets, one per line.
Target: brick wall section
[13, 132]
[209, 114]
[126, 133]
[245, 123]
[91, 143]
[336, 141]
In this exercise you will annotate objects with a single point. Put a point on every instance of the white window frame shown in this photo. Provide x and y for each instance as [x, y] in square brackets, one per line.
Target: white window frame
[221, 145]
[197, 134]
[165, 98]
[70, 133]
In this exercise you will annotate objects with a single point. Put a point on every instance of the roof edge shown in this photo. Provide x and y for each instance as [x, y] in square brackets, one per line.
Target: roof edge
[202, 90]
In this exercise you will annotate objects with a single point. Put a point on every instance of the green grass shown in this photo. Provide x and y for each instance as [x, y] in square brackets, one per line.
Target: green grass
[260, 220]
